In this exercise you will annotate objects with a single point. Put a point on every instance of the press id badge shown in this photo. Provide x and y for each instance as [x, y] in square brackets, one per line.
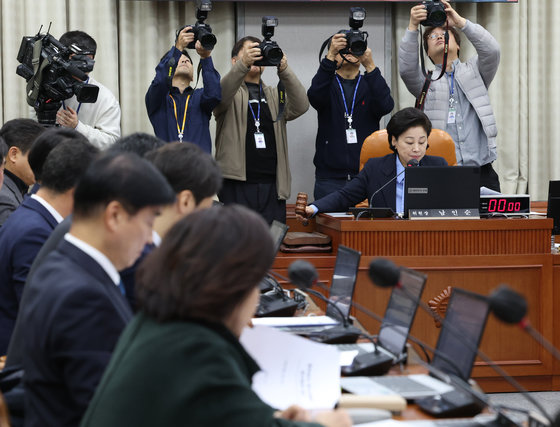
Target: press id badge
[451, 116]
[351, 136]
[259, 140]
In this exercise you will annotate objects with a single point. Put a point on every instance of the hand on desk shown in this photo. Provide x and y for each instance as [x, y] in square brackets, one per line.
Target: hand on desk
[336, 418]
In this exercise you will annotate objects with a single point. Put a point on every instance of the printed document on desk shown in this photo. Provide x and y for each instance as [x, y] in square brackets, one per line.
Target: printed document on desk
[294, 370]
[296, 321]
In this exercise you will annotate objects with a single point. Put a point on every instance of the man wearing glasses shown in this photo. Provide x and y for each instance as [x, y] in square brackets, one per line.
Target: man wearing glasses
[458, 102]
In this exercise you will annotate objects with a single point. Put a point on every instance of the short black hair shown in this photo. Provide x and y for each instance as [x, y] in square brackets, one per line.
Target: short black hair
[187, 167]
[79, 39]
[138, 142]
[405, 119]
[207, 264]
[67, 161]
[123, 177]
[21, 133]
[239, 44]
[3, 150]
[453, 31]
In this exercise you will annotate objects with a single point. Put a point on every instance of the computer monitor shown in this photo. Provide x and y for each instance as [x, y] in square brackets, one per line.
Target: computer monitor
[441, 187]
[343, 281]
[278, 231]
[400, 311]
[553, 207]
[461, 333]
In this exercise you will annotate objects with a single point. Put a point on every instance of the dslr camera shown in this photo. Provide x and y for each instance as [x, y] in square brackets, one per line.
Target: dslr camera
[436, 14]
[270, 51]
[202, 31]
[60, 74]
[356, 40]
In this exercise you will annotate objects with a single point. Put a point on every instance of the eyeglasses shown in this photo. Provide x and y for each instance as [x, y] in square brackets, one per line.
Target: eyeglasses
[435, 36]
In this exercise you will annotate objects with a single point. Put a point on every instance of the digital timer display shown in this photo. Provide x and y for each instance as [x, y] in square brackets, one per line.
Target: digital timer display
[505, 204]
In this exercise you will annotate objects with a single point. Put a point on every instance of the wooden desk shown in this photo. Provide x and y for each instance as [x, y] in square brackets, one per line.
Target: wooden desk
[472, 254]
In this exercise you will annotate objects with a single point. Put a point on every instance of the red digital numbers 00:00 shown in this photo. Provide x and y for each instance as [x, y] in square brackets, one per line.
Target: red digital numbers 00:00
[502, 205]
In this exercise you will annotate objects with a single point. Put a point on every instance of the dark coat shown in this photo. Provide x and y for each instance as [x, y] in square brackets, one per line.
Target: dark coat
[179, 373]
[11, 197]
[21, 238]
[376, 173]
[73, 317]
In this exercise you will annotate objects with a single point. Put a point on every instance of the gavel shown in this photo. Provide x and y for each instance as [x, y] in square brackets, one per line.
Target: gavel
[301, 204]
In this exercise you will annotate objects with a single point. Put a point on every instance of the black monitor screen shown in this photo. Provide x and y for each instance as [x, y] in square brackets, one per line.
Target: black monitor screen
[343, 281]
[441, 187]
[553, 209]
[400, 311]
[461, 333]
[278, 231]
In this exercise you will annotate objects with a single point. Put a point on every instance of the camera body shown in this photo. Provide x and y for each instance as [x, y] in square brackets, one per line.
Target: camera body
[436, 14]
[201, 30]
[270, 51]
[57, 78]
[356, 40]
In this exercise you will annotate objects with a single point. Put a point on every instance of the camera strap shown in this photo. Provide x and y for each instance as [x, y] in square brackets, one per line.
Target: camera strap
[421, 100]
[281, 100]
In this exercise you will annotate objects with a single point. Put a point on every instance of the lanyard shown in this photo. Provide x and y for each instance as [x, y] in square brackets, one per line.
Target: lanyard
[180, 131]
[79, 105]
[452, 89]
[257, 119]
[346, 115]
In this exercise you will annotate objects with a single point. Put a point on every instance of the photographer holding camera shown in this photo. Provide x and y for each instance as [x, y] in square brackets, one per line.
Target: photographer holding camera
[349, 106]
[251, 139]
[99, 122]
[458, 102]
[176, 110]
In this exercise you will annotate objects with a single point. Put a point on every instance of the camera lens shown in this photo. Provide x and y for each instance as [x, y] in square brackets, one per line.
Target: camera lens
[207, 40]
[358, 47]
[438, 17]
[273, 54]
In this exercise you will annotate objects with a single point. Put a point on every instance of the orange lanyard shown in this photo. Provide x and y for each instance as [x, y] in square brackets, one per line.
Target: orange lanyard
[182, 129]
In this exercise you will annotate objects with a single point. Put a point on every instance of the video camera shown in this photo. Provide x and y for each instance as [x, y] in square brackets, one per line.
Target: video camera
[53, 73]
[356, 40]
[270, 51]
[202, 31]
[436, 14]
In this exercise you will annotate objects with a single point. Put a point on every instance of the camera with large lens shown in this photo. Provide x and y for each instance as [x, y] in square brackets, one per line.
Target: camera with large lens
[270, 51]
[356, 40]
[436, 14]
[201, 30]
[53, 73]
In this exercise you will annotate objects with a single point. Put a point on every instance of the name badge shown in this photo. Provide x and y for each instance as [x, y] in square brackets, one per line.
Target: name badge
[259, 140]
[451, 116]
[351, 136]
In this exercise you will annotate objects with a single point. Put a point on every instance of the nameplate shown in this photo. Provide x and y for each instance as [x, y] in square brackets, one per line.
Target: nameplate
[443, 214]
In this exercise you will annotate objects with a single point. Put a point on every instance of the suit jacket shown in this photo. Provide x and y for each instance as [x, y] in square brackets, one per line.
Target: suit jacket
[202, 369]
[10, 198]
[21, 238]
[73, 317]
[376, 173]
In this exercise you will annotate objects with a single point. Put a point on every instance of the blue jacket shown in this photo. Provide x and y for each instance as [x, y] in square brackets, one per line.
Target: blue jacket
[73, 317]
[202, 102]
[21, 238]
[334, 157]
[376, 173]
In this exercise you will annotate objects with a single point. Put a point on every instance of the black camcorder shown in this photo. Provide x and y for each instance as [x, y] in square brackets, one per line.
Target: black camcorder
[356, 40]
[201, 30]
[270, 51]
[60, 74]
[436, 14]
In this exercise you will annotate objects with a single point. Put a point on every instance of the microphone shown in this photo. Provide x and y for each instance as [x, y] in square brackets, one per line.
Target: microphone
[304, 275]
[511, 307]
[411, 163]
[383, 272]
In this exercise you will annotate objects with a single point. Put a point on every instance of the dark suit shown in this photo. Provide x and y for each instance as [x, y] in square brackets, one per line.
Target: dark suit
[73, 317]
[11, 196]
[376, 173]
[21, 238]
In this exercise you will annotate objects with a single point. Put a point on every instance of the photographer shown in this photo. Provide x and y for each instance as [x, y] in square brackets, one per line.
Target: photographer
[251, 144]
[99, 122]
[349, 106]
[176, 110]
[458, 102]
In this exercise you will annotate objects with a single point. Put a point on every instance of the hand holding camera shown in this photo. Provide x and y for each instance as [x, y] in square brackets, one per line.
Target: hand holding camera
[184, 38]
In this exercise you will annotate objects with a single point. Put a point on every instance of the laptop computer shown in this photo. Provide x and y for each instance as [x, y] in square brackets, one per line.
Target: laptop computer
[464, 323]
[553, 207]
[441, 187]
[397, 321]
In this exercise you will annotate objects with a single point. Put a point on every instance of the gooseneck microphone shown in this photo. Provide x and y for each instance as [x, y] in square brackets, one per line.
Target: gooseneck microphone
[385, 273]
[511, 307]
[411, 163]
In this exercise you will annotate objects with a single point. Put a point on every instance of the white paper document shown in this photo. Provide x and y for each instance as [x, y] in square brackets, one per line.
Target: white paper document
[295, 321]
[294, 370]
